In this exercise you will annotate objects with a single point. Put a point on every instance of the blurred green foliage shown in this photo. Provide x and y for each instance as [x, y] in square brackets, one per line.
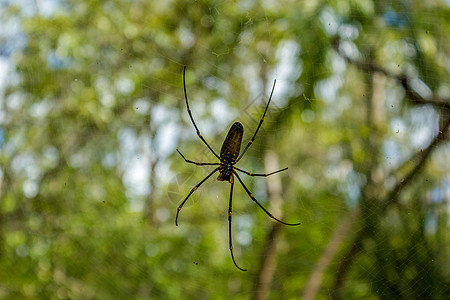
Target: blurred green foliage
[94, 103]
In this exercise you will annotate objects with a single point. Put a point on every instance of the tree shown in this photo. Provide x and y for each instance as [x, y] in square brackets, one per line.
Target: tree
[93, 109]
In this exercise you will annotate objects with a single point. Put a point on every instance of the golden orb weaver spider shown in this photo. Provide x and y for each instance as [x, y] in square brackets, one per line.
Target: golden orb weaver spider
[229, 156]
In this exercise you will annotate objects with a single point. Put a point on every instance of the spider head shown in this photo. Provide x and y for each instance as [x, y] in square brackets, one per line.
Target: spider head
[226, 175]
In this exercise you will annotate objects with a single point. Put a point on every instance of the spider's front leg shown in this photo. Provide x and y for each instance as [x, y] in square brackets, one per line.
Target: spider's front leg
[230, 213]
[262, 207]
[192, 191]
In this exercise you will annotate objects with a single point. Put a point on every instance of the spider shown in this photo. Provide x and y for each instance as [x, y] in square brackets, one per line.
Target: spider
[229, 156]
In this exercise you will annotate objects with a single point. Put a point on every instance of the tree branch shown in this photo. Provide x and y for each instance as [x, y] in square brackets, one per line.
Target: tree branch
[389, 200]
[340, 233]
[268, 264]
[402, 79]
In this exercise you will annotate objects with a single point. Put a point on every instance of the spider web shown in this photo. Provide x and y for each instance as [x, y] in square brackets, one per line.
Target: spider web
[89, 201]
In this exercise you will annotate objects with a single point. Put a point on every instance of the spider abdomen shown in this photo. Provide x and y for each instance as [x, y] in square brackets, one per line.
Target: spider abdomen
[232, 144]
[230, 151]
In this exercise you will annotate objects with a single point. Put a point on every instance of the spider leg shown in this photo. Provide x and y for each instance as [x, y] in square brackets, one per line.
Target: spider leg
[192, 118]
[260, 123]
[255, 174]
[190, 193]
[197, 163]
[265, 210]
[230, 212]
